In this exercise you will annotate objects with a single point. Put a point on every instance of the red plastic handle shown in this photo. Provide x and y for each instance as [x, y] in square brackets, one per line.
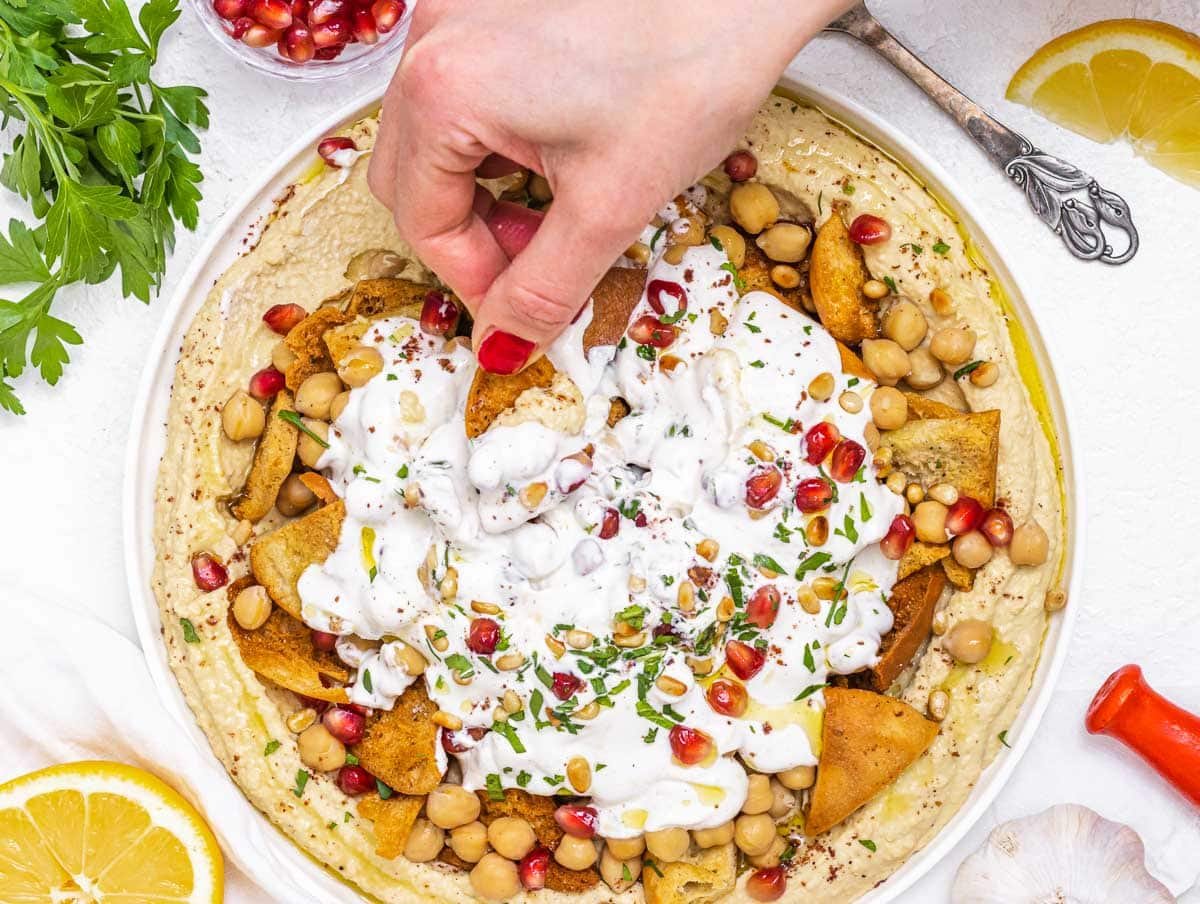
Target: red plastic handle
[1162, 734]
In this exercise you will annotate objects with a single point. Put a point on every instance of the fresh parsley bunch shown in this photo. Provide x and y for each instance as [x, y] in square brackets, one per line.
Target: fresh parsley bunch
[102, 157]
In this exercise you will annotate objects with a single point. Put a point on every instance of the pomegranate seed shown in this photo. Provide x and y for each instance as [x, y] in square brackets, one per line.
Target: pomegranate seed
[533, 867]
[297, 44]
[576, 820]
[740, 166]
[238, 27]
[963, 516]
[329, 53]
[483, 636]
[572, 471]
[363, 711]
[323, 641]
[266, 383]
[690, 745]
[997, 526]
[847, 459]
[276, 14]
[610, 523]
[660, 287]
[324, 10]
[208, 573]
[387, 13]
[364, 27]
[868, 229]
[282, 317]
[767, 884]
[344, 724]
[566, 685]
[727, 697]
[744, 660]
[640, 520]
[504, 353]
[899, 537]
[230, 9]
[451, 746]
[762, 486]
[355, 780]
[813, 494]
[439, 315]
[649, 330]
[763, 606]
[329, 148]
[331, 33]
[260, 36]
[819, 441]
[300, 10]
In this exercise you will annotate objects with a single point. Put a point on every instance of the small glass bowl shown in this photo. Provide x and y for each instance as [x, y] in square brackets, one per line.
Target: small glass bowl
[354, 58]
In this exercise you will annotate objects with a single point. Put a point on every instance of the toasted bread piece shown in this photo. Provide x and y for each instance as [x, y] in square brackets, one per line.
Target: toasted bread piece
[912, 603]
[960, 450]
[920, 407]
[756, 277]
[280, 557]
[318, 486]
[852, 364]
[836, 274]
[341, 340]
[282, 652]
[387, 296]
[491, 394]
[307, 342]
[919, 555]
[867, 740]
[703, 876]
[393, 821]
[961, 577]
[272, 463]
[398, 744]
[617, 409]
[539, 813]
[613, 301]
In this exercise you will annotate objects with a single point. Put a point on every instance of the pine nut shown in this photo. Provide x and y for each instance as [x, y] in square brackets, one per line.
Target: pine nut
[484, 608]
[808, 599]
[412, 494]
[511, 701]
[510, 661]
[437, 637]
[410, 659]
[822, 386]
[825, 587]
[985, 375]
[939, 704]
[579, 640]
[850, 401]
[1055, 600]
[817, 531]
[940, 624]
[708, 549]
[556, 646]
[686, 598]
[579, 774]
[242, 532]
[499, 714]
[631, 641]
[943, 493]
[700, 665]
[532, 495]
[874, 289]
[897, 481]
[301, 719]
[588, 711]
[446, 720]
[462, 679]
[725, 609]
[762, 451]
[448, 585]
[636, 583]
[671, 686]
[914, 493]
[942, 303]
[718, 323]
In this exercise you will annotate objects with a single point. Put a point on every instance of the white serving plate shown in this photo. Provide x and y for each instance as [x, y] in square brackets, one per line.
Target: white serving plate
[272, 859]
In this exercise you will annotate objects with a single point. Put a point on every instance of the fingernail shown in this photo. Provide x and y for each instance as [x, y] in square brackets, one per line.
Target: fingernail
[504, 353]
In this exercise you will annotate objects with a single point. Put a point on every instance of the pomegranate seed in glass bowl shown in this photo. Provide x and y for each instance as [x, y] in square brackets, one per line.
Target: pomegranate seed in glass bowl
[307, 41]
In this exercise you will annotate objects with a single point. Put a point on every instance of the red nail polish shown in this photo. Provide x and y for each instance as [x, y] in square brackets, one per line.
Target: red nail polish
[504, 353]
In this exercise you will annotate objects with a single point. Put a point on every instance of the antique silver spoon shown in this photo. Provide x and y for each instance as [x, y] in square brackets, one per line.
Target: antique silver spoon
[1073, 204]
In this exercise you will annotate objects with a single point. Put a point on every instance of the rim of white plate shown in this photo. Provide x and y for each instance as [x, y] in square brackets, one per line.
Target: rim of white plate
[224, 243]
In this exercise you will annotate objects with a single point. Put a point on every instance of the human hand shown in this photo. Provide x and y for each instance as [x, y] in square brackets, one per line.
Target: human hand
[620, 104]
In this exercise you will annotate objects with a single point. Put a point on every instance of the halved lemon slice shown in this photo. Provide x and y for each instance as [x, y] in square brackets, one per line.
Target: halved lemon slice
[103, 832]
[1122, 78]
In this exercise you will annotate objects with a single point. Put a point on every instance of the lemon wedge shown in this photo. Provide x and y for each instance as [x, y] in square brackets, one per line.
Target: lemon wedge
[103, 832]
[1122, 78]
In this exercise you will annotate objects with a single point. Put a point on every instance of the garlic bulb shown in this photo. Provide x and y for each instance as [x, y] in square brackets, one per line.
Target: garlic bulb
[1067, 854]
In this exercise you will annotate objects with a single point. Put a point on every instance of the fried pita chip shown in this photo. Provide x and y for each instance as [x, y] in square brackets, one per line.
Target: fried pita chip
[912, 603]
[282, 652]
[386, 297]
[755, 272]
[920, 408]
[280, 557]
[961, 577]
[961, 451]
[613, 301]
[318, 486]
[393, 821]
[272, 463]
[836, 274]
[868, 739]
[852, 364]
[307, 342]
[491, 394]
[701, 877]
[398, 744]
[341, 340]
[919, 555]
[617, 409]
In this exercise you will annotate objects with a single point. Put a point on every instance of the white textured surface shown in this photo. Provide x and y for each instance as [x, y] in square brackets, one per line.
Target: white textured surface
[1122, 340]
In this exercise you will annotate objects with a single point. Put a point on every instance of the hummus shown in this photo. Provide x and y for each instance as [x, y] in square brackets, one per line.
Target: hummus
[685, 524]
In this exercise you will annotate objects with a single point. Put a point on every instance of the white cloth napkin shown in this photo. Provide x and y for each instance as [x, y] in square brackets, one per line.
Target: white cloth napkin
[72, 688]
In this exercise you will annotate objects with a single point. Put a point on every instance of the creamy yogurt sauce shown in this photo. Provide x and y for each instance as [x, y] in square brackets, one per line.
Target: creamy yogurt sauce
[581, 543]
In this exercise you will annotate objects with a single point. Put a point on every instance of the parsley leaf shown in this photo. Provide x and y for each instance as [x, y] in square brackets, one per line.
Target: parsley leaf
[189, 631]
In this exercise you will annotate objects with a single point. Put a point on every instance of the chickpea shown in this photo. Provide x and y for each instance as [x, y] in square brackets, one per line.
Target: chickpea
[972, 550]
[715, 837]
[451, 806]
[252, 607]
[969, 641]
[905, 325]
[282, 357]
[952, 345]
[539, 189]
[753, 206]
[294, 497]
[771, 857]
[754, 834]
[470, 842]
[626, 848]
[667, 845]
[985, 375]
[319, 749]
[924, 370]
[575, 853]
[875, 290]
[243, 417]
[425, 842]
[308, 449]
[495, 879]
[929, 519]
[758, 796]
[1030, 545]
[798, 778]
[316, 394]
[785, 276]
[785, 242]
[338, 405]
[732, 243]
[619, 875]
[360, 365]
[512, 837]
[889, 408]
[783, 801]
[886, 359]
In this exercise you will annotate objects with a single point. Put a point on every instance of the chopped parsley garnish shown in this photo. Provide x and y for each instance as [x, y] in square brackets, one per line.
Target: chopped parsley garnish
[758, 364]
[868, 844]
[864, 507]
[738, 282]
[657, 236]
[1003, 738]
[366, 680]
[669, 319]
[523, 778]
[494, 789]
[403, 472]
[653, 866]
[301, 781]
[646, 352]
[384, 791]
[848, 530]
[810, 690]
[764, 561]
[966, 369]
[351, 759]
[787, 426]
[783, 533]
[913, 246]
[626, 875]
[716, 243]
[272, 746]
[293, 418]
[811, 563]
[809, 662]
[649, 737]
[457, 662]
[509, 734]
[941, 247]
[629, 509]
[648, 712]
[189, 631]
[848, 188]
[891, 284]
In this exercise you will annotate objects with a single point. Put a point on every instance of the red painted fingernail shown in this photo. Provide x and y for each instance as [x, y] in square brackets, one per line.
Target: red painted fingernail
[504, 353]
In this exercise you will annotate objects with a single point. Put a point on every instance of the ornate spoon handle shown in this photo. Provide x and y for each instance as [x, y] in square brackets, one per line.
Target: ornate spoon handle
[1073, 204]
